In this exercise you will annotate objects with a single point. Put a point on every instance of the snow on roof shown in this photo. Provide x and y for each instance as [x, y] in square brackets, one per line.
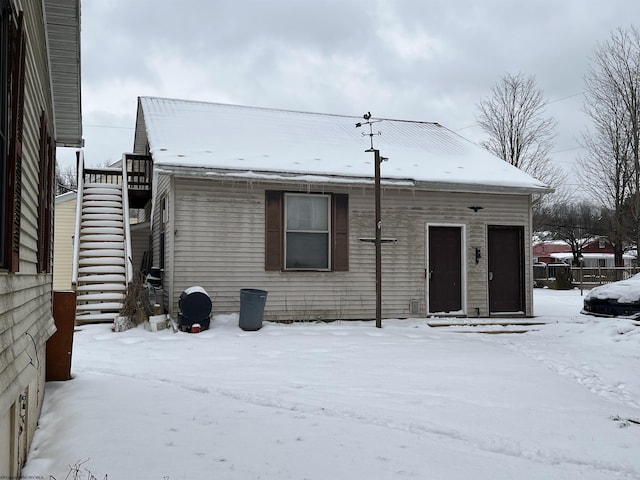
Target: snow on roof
[262, 142]
[65, 197]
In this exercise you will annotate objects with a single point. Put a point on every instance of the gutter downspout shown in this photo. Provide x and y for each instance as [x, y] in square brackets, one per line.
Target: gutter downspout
[127, 225]
[76, 234]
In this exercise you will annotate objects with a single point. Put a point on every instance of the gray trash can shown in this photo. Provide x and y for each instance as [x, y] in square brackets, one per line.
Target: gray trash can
[252, 303]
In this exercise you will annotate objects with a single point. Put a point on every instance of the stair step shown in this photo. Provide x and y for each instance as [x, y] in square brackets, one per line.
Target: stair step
[481, 322]
[96, 317]
[107, 269]
[101, 297]
[101, 224]
[106, 278]
[101, 210]
[96, 237]
[100, 204]
[102, 231]
[87, 249]
[100, 197]
[101, 186]
[99, 216]
[86, 261]
[104, 287]
[99, 306]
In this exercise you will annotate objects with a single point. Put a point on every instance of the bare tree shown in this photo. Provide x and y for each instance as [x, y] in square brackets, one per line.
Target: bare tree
[66, 180]
[577, 224]
[606, 168]
[519, 132]
[612, 162]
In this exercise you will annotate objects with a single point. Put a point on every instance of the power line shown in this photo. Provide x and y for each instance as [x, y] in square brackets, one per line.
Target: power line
[568, 149]
[468, 126]
[563, 98]
[546, 103]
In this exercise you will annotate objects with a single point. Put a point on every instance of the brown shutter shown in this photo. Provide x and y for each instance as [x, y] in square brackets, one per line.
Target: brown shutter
[42, 188]
[14, 160]
[50, 203]
[46, 193]
[273, 230]
[340, 250]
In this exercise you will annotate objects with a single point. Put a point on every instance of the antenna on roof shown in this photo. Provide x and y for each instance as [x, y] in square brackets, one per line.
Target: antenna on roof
[367, 117]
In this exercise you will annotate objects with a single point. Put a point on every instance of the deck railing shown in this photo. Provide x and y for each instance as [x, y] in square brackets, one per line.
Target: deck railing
[139, 178]
[103, 175]
[602, 275]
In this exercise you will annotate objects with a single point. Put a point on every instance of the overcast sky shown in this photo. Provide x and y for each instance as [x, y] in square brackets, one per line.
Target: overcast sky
[429, 60]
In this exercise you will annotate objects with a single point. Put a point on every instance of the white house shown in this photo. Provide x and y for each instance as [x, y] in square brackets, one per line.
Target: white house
[284, 201]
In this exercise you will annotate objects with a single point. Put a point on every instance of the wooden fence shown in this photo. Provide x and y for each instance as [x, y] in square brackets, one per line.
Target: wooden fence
[583, 276]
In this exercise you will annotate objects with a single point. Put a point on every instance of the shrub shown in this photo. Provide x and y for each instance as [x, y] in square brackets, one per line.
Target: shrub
[564, 279]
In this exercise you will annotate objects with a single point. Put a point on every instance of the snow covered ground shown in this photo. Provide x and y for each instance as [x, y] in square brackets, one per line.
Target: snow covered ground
[349, 401]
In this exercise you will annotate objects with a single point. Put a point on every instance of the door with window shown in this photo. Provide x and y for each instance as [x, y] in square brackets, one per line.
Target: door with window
[506, 269]
[444, 269]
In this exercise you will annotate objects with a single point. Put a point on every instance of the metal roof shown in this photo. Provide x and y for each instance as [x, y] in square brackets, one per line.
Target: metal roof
[189, 137]
[62, 20]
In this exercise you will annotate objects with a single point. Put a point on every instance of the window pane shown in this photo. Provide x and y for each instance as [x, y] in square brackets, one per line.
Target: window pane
[307, 212]
[307, 250]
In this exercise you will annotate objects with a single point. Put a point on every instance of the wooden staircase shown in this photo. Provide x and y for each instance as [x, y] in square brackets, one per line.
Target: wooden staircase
[102, 256]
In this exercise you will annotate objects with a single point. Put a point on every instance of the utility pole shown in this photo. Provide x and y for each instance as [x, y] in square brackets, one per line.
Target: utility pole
[378, 221]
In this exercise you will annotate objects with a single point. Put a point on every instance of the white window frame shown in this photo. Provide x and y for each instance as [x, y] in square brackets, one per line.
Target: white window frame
[327, 232]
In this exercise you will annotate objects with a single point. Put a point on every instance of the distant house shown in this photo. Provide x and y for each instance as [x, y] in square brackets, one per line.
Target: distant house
[39, 110]
[284, 201]
[598, 252]
[64, 222]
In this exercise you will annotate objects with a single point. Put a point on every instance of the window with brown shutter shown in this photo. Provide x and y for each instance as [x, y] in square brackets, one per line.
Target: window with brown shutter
[13, 82]
[306, 231]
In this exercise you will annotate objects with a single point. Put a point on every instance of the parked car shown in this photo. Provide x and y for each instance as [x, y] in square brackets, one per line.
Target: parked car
[615, 299]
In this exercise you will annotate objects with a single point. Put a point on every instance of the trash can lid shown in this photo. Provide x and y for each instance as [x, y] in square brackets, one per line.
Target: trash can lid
[255, 291]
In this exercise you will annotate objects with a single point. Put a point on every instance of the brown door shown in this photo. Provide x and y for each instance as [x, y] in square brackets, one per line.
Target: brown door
[444, 269]
[506, 269]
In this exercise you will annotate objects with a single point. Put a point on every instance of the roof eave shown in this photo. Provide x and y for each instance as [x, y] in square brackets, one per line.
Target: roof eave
[484, 188]
[300, 177]
[62, 24]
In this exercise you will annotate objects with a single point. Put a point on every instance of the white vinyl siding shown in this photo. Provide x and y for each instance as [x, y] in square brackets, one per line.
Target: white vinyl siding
[65, 219]
[219, 244]
[26, 321]
[163, 190]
